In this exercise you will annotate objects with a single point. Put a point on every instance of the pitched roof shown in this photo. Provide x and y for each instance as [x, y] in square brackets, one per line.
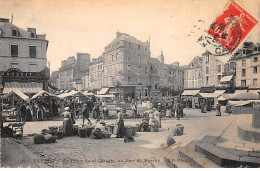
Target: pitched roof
[7, 32]
[156, 62]
[196, 63]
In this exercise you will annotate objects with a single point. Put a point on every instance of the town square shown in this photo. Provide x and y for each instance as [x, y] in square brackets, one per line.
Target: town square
[130, 84]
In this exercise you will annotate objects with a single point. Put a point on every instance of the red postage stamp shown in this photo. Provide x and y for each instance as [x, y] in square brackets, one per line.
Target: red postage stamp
[232, 26]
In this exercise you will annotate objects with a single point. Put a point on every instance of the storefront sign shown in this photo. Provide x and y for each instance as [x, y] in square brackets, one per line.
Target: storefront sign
[207, 89]
[18, 73]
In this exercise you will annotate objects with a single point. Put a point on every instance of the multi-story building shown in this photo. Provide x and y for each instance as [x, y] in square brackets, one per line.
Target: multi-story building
[193, 74]
[159, 77]
[71, 71]
[96, 70]
[54, 79]
[126, 65]
[23, 59]
[247, 65]
[176, 78]
[212, 69]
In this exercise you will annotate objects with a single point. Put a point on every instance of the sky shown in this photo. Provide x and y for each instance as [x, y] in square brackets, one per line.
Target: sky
[73, 26]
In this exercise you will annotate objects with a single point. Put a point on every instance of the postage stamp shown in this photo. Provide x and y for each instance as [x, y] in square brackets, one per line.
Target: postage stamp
[232, 26]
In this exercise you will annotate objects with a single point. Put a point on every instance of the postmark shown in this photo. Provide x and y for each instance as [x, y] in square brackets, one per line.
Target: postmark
[231, 28]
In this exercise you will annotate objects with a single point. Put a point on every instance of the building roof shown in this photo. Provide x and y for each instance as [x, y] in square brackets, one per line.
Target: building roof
[156, 62]
[127, 38]
[249, 49]
[196, 63]
[7, 27]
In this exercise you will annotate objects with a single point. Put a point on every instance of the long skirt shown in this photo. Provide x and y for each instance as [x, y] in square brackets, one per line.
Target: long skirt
[67, 126]
[119, 128]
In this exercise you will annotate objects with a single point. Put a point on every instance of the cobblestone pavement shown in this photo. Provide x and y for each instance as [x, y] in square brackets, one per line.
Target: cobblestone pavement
[147, 150]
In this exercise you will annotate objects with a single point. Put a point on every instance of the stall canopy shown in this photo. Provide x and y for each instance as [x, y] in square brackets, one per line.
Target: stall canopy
[103, 91]
[254, 91]
[18, 93]
[239, 103]
[245, 96]
[226, 78]
[43, 93]
[88, 94]
[70, 94]
[225, 97]
[106, 96]
[190, 92]
[216, 94]
[23, 87]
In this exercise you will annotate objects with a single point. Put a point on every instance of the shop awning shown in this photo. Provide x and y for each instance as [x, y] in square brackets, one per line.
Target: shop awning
[103, 91]
[18, 93]
[43, 93]
[226, 78]
[23, 87]
[190, 92]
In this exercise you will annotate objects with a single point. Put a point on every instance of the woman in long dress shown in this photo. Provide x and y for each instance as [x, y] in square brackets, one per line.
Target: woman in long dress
[119, 128]
[67, 122]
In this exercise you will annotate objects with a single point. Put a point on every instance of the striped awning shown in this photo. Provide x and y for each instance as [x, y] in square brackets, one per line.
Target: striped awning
[23, 87]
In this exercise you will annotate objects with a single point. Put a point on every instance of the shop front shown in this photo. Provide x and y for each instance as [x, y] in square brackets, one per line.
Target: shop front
[189, 98]
[29, 83]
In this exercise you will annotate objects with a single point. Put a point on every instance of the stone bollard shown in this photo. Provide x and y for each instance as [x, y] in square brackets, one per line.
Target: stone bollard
[169, 141]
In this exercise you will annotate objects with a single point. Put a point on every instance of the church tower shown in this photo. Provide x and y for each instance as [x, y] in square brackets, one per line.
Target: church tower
[161, 57]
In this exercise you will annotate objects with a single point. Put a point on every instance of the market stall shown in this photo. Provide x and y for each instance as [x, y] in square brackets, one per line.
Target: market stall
[190, 99]
[48, 100]
[11, 99]
[241, 107]
[74, 100]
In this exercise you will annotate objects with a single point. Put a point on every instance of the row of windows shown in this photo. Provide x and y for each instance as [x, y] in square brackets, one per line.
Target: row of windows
[244, 71]
[139, 69]
[15, 51]
[244, 83]
[98, 67]
[32, 67]
[244, 61]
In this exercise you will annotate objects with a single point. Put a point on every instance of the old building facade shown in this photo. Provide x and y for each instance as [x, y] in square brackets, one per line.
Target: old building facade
[126, 65]
[248, 66]
[71, 71]
[212, 69]
[23, 58]
[193, 74]
[176, 78]
[96, 71]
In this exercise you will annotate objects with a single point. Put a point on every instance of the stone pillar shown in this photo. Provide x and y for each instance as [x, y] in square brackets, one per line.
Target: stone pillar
[256, 115]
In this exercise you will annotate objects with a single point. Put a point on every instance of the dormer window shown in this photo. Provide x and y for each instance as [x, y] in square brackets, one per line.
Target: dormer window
[139, 47]
[244, 52]
[33, 35]
[14, 32]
